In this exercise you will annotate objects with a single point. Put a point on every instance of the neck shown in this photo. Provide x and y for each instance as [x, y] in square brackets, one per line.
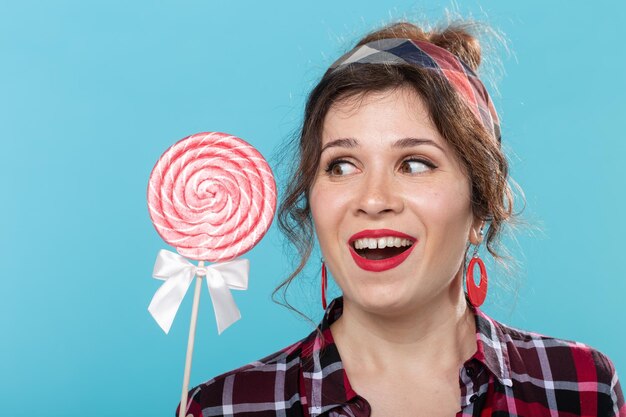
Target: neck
[438, 335]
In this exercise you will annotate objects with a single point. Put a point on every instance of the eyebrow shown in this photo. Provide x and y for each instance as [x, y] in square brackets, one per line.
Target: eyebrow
[410, 142]
[341, 143]
[399, 144]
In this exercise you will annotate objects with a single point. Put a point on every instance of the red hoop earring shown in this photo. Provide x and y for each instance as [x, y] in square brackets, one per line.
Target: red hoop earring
[476, 293]
[324, 284]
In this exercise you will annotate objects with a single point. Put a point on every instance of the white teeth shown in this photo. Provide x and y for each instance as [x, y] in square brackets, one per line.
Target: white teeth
[381, 243]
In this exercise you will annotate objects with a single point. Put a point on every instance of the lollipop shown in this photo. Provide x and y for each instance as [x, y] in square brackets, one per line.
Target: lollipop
[212, 196]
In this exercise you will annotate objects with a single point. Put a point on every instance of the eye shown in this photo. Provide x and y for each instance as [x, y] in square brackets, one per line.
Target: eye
[415, 166]
[340, 167]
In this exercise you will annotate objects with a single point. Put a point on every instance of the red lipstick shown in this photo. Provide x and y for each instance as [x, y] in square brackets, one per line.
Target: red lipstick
[379, 265]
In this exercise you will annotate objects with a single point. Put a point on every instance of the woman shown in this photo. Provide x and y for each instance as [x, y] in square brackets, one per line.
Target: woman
[402, 179]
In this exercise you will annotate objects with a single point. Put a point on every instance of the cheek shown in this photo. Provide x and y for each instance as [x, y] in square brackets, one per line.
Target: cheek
[329, 207]
[323, 210]
[446, 217]
[446, 212]
[328, 200]
[316, 196]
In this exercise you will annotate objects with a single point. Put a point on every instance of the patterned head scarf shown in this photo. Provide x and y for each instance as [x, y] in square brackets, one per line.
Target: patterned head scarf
[429, 56]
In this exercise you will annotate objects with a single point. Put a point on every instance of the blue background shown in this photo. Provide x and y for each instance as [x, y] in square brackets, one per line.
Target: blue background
[91, 94]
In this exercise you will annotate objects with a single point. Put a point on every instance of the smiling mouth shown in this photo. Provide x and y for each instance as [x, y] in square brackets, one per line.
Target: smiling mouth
[381, 248]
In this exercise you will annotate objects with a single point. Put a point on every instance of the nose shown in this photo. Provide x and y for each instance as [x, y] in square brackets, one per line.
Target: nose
[378, 194]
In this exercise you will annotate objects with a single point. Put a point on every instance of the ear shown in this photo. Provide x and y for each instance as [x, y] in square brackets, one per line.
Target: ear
[475, 237]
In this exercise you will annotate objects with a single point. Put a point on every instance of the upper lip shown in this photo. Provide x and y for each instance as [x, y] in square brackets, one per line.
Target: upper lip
[376, 233]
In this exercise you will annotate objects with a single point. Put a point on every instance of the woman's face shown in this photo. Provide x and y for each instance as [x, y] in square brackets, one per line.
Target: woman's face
[390, 203]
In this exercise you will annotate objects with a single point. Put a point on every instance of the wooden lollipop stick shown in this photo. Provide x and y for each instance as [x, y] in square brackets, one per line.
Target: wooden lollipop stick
[192, 334]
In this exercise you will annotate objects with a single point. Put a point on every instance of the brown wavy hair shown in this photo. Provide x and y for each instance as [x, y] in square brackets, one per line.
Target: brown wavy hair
[478, 151]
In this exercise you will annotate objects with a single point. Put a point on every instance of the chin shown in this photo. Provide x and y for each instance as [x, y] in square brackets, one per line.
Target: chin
[384, 303]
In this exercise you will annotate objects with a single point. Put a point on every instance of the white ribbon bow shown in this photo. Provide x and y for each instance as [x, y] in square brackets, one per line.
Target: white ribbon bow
[178, 272]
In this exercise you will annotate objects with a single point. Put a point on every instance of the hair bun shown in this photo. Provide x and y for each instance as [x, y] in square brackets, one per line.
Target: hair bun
[460, 42]
[404, 30]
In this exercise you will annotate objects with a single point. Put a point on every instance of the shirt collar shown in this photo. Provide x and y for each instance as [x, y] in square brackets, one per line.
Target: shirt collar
[325, 380]
[491, 347]
[326, 383]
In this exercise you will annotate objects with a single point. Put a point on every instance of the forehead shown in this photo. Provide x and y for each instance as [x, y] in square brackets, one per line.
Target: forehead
[382, 116]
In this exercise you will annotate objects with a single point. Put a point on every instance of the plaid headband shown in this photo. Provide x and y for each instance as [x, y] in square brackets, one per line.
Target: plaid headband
[430, 56]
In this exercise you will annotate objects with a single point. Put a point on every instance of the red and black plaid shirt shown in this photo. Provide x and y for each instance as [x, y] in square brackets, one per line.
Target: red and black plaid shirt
[512, 373]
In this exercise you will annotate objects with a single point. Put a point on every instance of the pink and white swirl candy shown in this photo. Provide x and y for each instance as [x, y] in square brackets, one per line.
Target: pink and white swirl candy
[212, 196]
